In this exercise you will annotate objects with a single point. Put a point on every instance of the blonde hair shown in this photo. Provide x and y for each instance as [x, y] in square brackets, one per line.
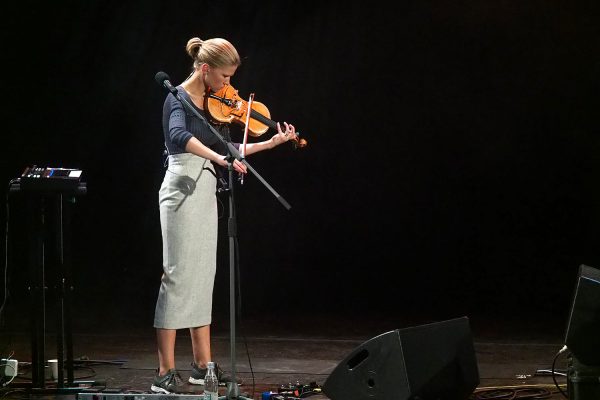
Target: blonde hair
[215, 52]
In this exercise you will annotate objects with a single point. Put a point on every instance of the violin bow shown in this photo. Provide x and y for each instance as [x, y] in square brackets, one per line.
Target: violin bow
[243, 152]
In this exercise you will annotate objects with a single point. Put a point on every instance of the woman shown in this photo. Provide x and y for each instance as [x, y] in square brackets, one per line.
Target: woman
[188, 212]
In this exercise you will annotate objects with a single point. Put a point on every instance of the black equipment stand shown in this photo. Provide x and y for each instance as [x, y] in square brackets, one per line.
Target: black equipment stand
[48, 245]
[163, 80]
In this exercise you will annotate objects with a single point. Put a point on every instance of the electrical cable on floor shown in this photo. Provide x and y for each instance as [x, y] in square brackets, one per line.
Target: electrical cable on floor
[24, 365]
[564, 348]
[250, 364]
[93, 371]
[548, 372]
[15, 391]
[85, 360]
[532, 392]
[523, 392]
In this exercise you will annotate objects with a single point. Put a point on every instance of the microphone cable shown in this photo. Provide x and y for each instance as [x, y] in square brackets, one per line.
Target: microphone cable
[562, 350]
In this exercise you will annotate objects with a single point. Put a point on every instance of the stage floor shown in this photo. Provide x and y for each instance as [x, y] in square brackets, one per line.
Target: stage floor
[120, 357]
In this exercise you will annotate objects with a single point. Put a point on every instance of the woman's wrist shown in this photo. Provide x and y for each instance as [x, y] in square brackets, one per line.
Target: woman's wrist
[220, 159]
[272, 143]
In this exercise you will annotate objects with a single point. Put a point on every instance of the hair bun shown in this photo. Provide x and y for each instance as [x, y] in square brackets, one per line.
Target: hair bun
[193, 46]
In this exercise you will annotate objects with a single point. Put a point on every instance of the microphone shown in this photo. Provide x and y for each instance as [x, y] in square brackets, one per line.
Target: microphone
[163, 79]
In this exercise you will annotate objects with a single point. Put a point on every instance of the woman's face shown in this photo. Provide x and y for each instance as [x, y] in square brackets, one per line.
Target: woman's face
[216, 78]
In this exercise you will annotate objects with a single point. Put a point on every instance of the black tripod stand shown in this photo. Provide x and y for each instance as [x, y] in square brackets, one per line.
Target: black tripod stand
[233, 154]
[48, 245]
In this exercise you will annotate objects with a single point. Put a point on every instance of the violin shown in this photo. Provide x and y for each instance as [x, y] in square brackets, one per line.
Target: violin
[226, 106]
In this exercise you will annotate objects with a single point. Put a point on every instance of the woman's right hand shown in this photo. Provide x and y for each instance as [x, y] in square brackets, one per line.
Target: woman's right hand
[238, 166]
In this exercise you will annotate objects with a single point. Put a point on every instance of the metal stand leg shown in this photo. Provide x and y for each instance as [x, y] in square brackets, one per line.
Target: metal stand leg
[232, 387]
[63, 289]
[35, 212]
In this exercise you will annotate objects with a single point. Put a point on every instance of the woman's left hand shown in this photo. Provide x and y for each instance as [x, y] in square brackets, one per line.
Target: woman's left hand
[283, 136]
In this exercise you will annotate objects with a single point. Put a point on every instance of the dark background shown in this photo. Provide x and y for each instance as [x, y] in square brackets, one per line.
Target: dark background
[452, 165]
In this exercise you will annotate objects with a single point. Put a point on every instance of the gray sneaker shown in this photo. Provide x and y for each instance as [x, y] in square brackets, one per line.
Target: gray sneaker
[170, 382]
[197, 375]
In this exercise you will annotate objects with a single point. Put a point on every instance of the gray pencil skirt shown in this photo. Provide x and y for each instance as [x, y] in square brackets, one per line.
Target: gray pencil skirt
[188, 219]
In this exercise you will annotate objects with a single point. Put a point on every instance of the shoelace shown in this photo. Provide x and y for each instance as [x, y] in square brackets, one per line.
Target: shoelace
[176, 379]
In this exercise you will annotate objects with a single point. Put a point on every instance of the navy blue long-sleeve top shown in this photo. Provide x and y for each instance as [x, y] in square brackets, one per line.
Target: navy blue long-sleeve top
[179, 126]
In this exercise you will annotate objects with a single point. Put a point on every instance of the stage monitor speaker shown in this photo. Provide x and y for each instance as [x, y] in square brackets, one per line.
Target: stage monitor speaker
[429, 362]
[583, 328]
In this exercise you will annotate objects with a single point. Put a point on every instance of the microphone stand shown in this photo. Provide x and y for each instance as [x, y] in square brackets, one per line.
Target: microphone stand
[232, 387]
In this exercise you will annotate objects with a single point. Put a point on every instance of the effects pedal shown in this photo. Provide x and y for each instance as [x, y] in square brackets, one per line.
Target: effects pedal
[50, 179]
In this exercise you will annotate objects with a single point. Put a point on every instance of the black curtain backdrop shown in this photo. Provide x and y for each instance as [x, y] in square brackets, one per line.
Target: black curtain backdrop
[452, 165]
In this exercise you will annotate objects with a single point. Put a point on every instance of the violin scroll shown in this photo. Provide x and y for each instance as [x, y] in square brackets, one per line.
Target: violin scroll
[299, 142]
